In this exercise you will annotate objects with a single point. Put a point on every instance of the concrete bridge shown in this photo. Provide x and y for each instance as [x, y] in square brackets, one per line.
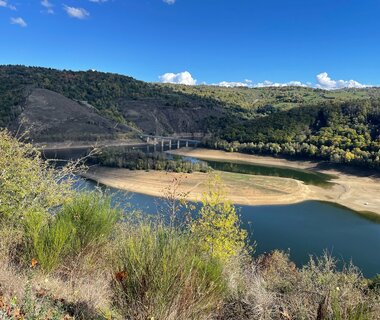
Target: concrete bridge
[171, 142]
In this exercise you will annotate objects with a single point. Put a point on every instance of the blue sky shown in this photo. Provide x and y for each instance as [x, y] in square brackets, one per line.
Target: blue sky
[239, 42]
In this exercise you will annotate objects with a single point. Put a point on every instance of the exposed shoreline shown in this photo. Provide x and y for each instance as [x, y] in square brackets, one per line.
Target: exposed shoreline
[241, 189]
[361, 194]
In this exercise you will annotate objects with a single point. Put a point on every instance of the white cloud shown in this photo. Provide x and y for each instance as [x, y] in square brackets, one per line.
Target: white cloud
[228, 84]
[18, 21]
[268, 83]
[325, 82]
[249, 84]
[78, 13]
[178, 78]
[48, 6]
[169, 1]
[5, 4]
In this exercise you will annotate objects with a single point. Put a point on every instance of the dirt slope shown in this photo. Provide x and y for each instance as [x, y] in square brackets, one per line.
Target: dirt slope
[49, 116]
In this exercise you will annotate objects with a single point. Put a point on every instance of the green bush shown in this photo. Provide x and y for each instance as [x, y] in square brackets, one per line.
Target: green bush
[93, 219]
[81, 225]
[48, 239]
[28, 184]
[164, 274]
[374, 283]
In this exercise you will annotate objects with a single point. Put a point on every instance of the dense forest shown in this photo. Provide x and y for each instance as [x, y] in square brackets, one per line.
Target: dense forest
[342, 126]
[107, 92]
[338, 132]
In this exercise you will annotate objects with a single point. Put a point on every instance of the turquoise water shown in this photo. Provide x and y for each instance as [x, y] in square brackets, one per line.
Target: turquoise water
[307, 176]
[302, 229]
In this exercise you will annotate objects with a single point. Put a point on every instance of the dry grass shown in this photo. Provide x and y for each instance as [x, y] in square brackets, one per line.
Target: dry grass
[80, 288]
[270, 287]
[273, 288]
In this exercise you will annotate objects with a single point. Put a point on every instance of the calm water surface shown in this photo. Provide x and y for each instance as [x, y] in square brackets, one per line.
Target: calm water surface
[303, 229]
[307, 176]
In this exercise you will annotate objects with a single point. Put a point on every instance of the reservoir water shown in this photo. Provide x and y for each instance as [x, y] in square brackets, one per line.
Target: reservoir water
[307, 176]
[303, 229]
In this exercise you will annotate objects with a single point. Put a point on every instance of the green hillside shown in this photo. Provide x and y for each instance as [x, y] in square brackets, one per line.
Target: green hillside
[340, 132]
[339, 126]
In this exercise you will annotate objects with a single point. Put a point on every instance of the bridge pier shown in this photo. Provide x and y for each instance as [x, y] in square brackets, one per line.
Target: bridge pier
[173, 142]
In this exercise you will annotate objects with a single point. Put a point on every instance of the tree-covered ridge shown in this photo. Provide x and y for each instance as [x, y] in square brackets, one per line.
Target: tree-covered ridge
[270, 99]
[339, 132]
[107, 92]
[339, 126]
[139, 160]
[104, 91]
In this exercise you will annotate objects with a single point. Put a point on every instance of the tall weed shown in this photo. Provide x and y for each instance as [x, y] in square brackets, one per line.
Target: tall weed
[164, 274]
[81, 225]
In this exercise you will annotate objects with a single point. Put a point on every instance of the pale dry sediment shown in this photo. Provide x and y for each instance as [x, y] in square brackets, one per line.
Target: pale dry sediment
[359, 193]
[240, 188]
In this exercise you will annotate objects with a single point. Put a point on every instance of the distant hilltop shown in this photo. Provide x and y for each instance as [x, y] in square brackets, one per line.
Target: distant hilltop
[61, 105]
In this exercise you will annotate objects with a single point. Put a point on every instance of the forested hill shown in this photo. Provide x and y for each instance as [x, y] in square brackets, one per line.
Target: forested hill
[340, 126]
[346, 132]
[147, 107]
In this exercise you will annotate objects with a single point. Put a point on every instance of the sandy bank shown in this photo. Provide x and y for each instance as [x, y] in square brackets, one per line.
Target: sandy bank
[208, 154]
[241, 188]
[358, 193]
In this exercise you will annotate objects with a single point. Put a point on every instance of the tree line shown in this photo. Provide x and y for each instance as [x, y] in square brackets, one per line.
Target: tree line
[139, 160]
[341, 133]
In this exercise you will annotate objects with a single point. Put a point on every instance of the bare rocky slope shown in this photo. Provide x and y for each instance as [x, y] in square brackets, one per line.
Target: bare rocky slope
[342, 126]
[64, 105]
[49, 116]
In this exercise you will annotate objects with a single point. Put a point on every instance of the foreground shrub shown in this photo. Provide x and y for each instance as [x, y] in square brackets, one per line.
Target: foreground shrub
[27, 183]
[93, 219]
[218, 226]
[164, 274]
[47, 240]
[81, 226]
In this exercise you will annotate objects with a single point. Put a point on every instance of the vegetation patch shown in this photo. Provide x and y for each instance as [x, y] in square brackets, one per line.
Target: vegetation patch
[70, 255]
